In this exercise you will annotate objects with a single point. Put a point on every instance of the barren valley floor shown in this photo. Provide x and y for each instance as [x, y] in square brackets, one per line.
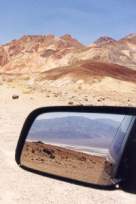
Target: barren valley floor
[64, 162]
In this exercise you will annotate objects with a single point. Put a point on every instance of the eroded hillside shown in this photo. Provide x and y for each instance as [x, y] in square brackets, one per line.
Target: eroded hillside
[104, 70]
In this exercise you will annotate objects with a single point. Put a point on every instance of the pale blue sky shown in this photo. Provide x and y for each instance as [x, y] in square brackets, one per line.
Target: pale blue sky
[52, 115]
[85, 20]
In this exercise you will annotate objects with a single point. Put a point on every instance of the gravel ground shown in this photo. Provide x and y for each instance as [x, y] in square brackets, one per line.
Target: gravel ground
[22, 187]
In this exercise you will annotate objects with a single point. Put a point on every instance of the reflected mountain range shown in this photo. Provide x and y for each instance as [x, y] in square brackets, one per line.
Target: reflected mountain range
[75, 130]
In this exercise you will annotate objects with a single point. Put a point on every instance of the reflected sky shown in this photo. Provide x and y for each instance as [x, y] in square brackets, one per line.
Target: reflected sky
[116, 117]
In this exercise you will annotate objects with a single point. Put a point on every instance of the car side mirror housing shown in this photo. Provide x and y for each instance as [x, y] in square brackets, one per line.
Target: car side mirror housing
[82, 144]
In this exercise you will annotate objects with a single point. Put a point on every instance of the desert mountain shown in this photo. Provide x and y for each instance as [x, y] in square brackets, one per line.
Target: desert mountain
[63, 67]
[122, 52]
[131, 38]
[75, 130]
[35, 53]
[104, 40]
[89, 70]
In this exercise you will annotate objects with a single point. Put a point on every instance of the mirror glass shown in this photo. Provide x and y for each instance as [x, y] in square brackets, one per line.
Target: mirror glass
[81, 146]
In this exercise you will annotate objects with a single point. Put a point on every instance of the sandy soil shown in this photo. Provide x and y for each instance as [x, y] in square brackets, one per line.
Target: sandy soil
[22, 187]
[67, 163]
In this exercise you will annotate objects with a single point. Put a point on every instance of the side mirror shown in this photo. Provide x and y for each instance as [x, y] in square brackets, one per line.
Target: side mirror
[89, 145]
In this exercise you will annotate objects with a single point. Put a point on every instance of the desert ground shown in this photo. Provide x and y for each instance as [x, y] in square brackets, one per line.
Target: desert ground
[67, 163]
[22, 187]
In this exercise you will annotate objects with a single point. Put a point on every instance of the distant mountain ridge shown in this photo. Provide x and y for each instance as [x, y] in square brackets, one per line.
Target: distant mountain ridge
[75, 130]
[106, 68]
[37, 53]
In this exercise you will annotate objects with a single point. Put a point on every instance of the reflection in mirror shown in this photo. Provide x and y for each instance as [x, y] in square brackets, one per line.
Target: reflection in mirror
[80, 146]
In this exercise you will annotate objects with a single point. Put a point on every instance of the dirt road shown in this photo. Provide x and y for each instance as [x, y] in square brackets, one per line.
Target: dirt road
[21, 187]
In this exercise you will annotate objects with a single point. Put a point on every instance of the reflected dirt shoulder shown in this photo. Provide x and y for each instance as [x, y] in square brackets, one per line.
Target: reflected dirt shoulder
[67, 163]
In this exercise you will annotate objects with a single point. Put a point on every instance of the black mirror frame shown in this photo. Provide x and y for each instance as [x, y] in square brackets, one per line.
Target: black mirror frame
[88, 109]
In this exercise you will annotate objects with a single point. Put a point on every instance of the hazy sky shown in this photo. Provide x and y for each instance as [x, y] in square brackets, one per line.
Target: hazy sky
[86, 20]
[53, 115]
